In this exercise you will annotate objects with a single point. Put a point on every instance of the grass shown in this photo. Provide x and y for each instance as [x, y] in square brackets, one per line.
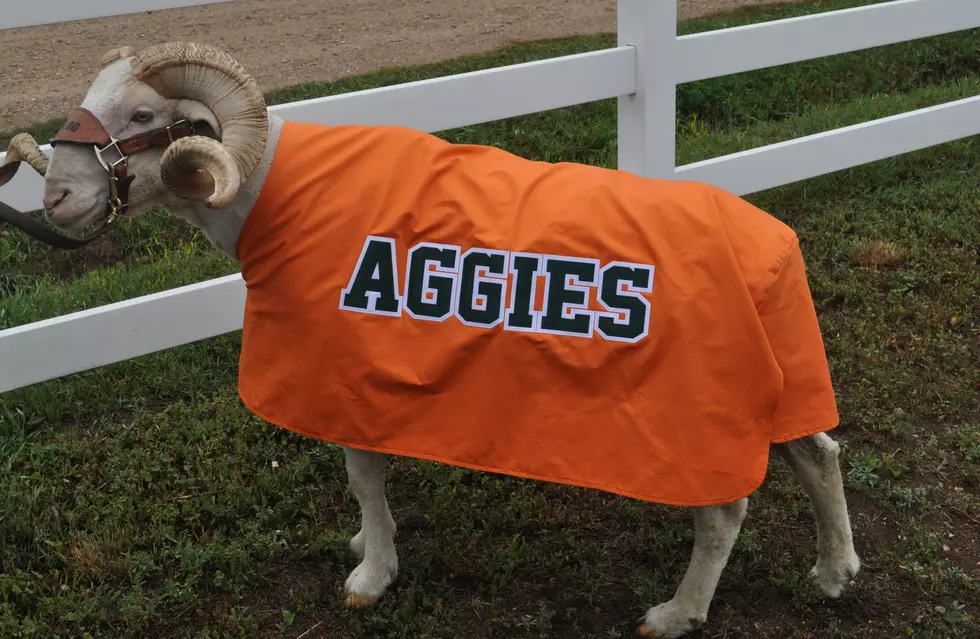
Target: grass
[140, 499]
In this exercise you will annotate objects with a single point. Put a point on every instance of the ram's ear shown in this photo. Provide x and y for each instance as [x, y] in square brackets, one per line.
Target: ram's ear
[115, 55]
[204, 120]
[199, 168]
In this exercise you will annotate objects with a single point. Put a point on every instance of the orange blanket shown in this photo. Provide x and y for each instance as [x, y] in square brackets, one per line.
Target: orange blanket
[552, 321]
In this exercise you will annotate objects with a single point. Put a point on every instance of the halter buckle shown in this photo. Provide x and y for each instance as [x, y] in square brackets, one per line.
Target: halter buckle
[105, 163]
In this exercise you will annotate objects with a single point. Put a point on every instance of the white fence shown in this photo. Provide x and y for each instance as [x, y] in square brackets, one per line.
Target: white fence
[642, 72]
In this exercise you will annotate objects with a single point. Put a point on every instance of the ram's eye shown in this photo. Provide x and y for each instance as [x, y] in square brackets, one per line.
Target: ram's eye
[143, 117]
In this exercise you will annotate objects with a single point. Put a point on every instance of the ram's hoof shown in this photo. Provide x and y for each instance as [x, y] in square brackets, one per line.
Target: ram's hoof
[355, 600]
[647, 631]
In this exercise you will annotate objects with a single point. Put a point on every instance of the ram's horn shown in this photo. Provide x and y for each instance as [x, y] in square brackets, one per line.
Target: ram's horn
[212, 77]
[199, 168]
[23, 148]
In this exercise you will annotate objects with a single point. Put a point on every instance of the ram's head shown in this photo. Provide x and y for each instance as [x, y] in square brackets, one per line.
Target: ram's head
[135, 93]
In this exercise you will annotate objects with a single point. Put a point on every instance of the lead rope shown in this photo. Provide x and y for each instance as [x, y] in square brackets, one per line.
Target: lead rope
[84, 128]
[42, 233]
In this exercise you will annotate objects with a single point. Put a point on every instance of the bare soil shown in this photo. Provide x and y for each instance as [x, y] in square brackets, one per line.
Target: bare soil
[44, 71]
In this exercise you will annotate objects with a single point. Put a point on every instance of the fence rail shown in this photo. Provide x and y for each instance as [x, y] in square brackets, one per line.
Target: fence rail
[769, 44]
[642, 72]
[440, 103]
[802, 158]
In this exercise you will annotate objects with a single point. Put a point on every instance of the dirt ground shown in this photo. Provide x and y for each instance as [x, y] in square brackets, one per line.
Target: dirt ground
[45, 70]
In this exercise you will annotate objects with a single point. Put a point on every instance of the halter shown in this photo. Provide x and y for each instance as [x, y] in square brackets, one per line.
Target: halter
[84, 128]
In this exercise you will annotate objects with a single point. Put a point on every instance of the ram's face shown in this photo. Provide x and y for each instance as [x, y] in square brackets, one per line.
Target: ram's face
[76, 187]
[138, 92]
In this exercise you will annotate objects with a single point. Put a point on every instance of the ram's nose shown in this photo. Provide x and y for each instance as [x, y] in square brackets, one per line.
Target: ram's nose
[53, 197]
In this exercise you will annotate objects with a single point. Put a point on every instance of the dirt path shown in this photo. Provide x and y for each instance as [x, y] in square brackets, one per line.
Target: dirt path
[45, 70]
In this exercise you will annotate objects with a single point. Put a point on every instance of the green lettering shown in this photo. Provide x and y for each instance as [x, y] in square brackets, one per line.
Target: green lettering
[474, 288]
[373, 287]
[524, 267]
[639, 278]
[567, 297]
[429, 294]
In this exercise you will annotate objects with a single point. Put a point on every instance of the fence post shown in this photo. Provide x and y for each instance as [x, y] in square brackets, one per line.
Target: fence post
[647, 117]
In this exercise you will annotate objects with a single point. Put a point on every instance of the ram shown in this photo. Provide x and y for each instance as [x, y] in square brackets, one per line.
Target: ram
[682, 408]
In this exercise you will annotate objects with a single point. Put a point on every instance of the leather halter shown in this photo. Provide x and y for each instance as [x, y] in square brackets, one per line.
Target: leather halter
[82, 127]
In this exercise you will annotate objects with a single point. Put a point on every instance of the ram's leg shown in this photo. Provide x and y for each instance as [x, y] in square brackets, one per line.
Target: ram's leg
[375, 542]
[814, 462]
[715, 530]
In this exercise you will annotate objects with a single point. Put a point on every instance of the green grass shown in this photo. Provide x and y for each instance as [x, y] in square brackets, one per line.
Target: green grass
[139, 499]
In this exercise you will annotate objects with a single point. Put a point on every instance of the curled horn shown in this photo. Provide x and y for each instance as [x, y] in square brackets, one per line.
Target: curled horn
[115, 55]
[23, 148]
[194, 168]
[212, 77]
